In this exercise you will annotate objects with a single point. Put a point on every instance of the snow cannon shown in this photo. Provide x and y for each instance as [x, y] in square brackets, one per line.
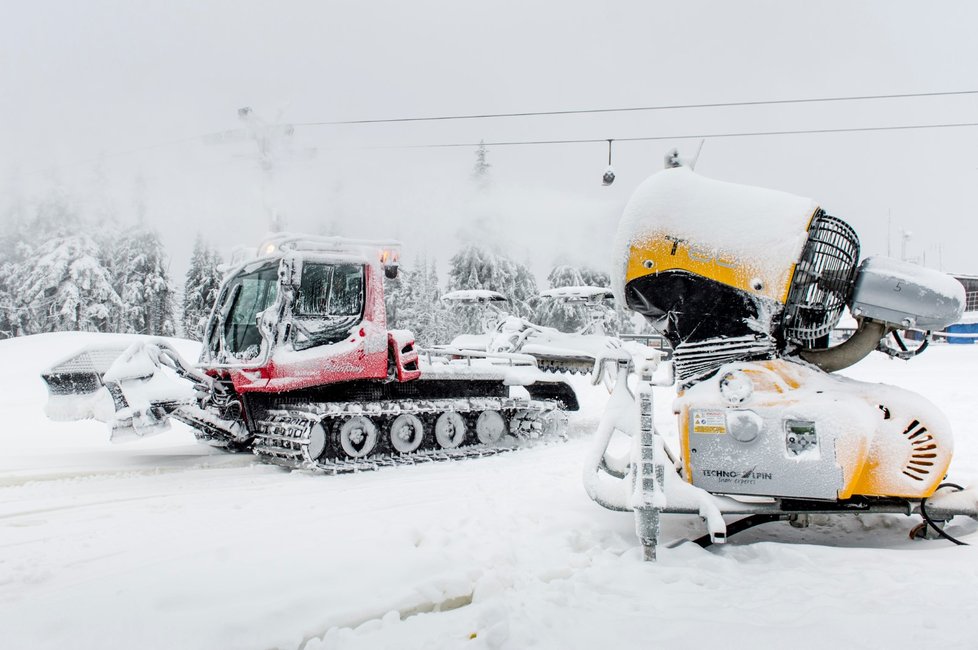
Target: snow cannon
[747, 285]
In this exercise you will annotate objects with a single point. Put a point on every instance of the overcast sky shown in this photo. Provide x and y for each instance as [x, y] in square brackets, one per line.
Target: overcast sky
[89, 88]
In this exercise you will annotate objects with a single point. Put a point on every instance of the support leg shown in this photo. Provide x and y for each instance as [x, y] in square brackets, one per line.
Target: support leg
[649, 478]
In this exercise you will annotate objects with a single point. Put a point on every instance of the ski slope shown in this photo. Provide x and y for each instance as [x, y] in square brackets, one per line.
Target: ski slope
[166, 543]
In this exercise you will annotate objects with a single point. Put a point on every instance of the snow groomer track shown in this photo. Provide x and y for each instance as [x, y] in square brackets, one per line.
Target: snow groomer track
[323, 437]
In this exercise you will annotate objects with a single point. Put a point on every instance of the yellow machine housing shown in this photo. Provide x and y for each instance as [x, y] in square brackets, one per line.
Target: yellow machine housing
[709, 255]
[778, 428]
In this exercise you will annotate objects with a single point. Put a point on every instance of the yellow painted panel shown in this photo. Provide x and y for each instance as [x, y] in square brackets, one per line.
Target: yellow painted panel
[658, 253]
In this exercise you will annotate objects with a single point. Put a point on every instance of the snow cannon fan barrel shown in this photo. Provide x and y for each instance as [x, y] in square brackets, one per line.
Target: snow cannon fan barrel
[729, 272]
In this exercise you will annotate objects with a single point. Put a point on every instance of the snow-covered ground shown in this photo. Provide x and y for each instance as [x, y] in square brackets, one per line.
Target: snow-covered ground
[165, 543]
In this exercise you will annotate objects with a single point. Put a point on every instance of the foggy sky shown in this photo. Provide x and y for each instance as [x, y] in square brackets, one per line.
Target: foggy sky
[85, 87]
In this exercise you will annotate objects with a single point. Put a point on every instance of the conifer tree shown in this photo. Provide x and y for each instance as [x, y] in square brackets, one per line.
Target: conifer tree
[11, 246]
[9, 310]
[55, 275]
[622, 321]
[65, 286]
[201, 286]
[141, 274]
[480, 171]
[419, 306]
[562, 315]
[477, 268]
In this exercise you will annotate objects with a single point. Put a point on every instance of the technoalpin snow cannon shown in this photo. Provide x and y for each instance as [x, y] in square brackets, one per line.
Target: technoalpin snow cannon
[747, 284]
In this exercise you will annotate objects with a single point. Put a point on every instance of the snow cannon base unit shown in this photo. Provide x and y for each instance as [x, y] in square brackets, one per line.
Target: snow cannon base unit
[298, 367]
[747, 284]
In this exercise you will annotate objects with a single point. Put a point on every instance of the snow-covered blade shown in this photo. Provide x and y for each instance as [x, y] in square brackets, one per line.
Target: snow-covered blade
[74, 381]
[134, 389]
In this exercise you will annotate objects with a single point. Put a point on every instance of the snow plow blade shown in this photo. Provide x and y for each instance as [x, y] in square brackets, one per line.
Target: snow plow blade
[123, 386]
[74, 382]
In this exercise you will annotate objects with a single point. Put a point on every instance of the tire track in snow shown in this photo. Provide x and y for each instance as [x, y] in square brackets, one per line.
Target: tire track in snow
[239, 460]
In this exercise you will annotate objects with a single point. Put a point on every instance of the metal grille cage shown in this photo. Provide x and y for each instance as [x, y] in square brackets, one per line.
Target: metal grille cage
[823, 280]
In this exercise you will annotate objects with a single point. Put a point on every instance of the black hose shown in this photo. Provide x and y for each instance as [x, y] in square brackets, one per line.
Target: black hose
[932, 524]
[743, 524]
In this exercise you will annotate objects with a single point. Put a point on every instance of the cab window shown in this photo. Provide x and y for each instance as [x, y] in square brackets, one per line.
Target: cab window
[330, 301]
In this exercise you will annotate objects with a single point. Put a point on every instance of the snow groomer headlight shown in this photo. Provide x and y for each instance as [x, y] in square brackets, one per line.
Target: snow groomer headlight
[736, 387]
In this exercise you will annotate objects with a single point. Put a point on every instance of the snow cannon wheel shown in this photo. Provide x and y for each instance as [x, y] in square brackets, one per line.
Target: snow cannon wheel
[357, 436]
[450, 430]
[406, 433]
[490, 427]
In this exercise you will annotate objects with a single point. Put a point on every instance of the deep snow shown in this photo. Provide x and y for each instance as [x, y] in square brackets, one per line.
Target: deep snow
[165, 543]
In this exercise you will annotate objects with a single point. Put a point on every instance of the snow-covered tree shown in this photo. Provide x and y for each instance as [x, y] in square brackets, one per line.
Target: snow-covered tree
[565, 316]
[572, 317]
[594, 278]
[478, 268]
[10, 250]
[54, 272]
[418, 304]
[480, 171]
[64, 285]
[141, 276]
[201, 286]
[10, 311]
[624, 321]
[475, 267]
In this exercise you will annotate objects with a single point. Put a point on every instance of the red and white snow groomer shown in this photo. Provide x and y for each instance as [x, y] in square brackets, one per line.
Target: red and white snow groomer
[298, 366]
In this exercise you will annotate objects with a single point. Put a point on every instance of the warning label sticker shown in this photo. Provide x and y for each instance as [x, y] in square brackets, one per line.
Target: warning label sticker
[709, 421]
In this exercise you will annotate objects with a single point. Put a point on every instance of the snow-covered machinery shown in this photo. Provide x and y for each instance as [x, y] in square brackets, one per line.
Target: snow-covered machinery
[552, 349]
[298, 366]
[747, 284]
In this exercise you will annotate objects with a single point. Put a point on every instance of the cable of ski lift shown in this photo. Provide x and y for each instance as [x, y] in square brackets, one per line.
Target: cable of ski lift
[683, 136]
[631, 109]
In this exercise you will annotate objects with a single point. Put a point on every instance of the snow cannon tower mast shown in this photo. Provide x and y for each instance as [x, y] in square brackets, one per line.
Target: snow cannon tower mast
[747, 284]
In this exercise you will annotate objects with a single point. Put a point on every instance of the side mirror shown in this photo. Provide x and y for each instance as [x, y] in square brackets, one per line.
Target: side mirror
[390, 271]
